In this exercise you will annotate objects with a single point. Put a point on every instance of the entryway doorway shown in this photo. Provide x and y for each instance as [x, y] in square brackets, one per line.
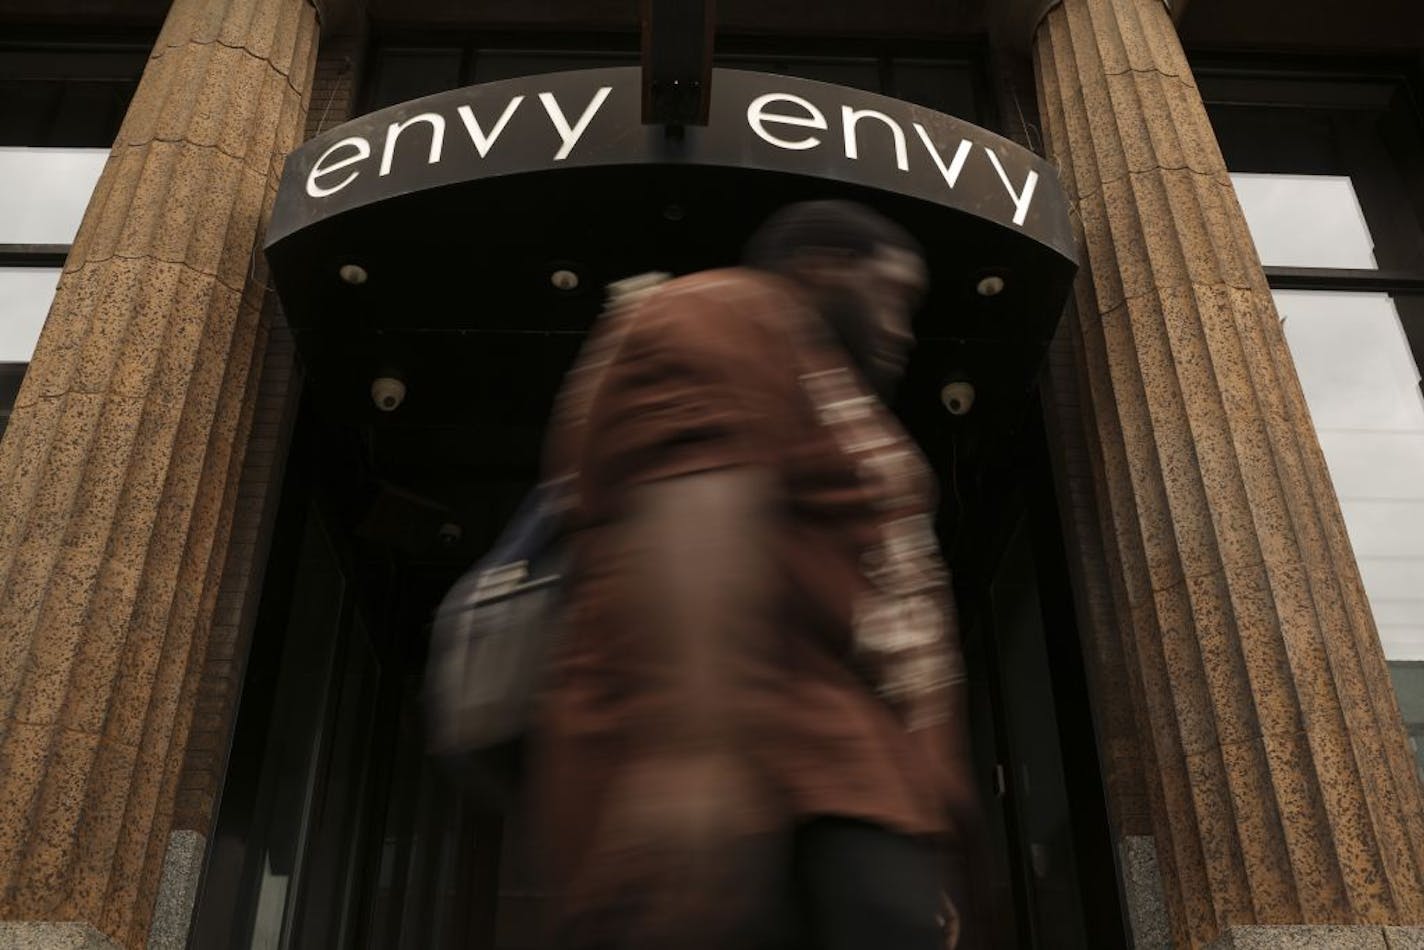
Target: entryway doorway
[334, 830]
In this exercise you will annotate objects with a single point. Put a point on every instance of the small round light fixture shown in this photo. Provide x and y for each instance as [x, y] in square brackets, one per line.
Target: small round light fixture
[564, 279]
[990, 286]
[354, 274]
[957, 397]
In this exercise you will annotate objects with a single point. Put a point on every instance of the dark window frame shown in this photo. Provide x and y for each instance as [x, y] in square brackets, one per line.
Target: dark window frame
[1333, 88]
[116, 60]
[1342, 91]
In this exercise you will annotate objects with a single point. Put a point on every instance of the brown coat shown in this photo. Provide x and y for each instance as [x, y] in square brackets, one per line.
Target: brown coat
[708, 372]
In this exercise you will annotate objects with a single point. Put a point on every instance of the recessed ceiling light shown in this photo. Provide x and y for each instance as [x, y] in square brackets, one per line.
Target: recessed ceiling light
[564, 279]
[354, 274]
[990, 286]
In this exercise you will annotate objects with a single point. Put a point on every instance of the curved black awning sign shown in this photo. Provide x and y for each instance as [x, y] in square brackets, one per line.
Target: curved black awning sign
[591, 118]
[462, 240]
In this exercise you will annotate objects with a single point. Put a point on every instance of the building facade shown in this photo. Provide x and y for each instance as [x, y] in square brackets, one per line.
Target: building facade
[1185, 511]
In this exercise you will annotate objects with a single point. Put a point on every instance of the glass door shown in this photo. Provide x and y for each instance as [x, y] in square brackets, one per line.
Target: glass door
[1053, 878]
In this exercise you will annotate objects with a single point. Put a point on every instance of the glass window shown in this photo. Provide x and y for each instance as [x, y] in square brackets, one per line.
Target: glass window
[287, 790]
[1408, 679]
[44, 191]
[25, 296]
[1353, 359]
[43, 194]
[1362, 385]
[1305, 220]
[61, 104]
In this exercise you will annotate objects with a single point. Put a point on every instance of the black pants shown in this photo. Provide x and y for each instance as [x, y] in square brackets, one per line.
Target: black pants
[857, 886]
[841, 885]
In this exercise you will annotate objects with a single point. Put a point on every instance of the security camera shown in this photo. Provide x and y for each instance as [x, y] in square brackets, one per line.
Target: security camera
[958, 397]
[450, 534]
[387, 393]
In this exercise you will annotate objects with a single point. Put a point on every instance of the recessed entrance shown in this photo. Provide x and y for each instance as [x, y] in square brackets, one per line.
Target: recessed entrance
[334, 830]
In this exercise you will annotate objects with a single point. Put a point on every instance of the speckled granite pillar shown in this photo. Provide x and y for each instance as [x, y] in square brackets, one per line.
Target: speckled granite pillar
[1320, 937]
[1281, 785]
[118, 469]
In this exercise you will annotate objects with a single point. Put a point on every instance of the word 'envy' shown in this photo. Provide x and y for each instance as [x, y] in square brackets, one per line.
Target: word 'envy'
[814, 118]
[771, 116]
[569, 136]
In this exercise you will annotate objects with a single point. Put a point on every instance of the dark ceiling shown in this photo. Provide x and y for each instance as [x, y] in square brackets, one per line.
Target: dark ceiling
[1367, 25]
[916, 18]
[1305, 25]
[85, 14]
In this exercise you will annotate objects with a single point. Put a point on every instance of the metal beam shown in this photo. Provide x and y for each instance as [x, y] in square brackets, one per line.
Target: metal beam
[677, 61]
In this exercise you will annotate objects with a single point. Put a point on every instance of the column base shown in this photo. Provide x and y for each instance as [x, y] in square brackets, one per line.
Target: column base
[49, 935]
[1320, 937]
[177, 891]
[1142, 891]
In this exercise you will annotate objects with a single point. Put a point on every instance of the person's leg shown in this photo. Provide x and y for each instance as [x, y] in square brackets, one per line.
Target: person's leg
[862, 887]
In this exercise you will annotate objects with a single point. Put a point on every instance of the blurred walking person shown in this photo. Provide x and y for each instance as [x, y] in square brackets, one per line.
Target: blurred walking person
[754, 733]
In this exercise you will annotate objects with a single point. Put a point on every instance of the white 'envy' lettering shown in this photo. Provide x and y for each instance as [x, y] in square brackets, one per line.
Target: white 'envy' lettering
[477, 134]
[850, 117]
[1020, 200]
[363, 152]
[956, 164]
[437, 138]
[570, 136]
[757, 117]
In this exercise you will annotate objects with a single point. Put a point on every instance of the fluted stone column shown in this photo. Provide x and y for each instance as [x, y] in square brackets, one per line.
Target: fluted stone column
[118, 470]
[1283, 791]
